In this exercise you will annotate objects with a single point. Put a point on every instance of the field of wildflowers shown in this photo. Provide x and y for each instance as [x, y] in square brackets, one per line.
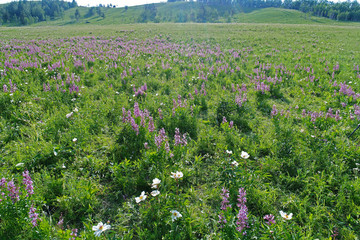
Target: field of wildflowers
[180, 131]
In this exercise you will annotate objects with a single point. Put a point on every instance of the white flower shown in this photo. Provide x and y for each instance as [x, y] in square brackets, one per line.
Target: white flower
[155, 183]
[229, 152]
[141, 198]
[285, 216]
[100, 228]
[74, 139]
[69, 115]
[235, 163]
[244, 155]
[177, 175]
[155, 193]
[76, 110]
[175, 215]
[19, 165]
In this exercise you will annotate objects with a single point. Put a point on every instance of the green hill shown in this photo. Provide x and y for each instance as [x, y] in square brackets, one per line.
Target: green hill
[188, 12]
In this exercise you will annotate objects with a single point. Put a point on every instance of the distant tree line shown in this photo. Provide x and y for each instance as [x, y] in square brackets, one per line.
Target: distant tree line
[26, 12]
[343, 11]
[97, 10]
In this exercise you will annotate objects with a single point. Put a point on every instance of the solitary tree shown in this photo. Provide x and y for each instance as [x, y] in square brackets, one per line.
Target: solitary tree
[77, 15]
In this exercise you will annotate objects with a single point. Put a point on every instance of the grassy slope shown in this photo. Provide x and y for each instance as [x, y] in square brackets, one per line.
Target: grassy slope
[170, 12]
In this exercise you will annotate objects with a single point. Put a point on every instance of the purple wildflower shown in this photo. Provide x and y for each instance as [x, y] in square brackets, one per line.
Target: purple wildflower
[225, 199]
[124, 115]
[224, 206]
[151, 124]
[33, 216]
[160, 113]
[61, 221]
[73, 234]
[274, 111]
[242, 216]
[13, 191]
[177, 137]
[270, 219]
[136, 110]
[134, 126]
[28, 182]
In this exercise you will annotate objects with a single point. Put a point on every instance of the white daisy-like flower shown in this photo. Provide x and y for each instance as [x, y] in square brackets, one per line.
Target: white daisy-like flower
[155, 193]
[244, 155]
[69, 115]
[100, 228]
[286, 216]
[141, 198]
[74, 139]
[156, 183]
[177, 175]
[175, 215]
[235, 163]
[229, 152]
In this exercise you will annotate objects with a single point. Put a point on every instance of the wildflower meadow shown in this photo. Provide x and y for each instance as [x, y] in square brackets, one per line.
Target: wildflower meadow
[180, 131]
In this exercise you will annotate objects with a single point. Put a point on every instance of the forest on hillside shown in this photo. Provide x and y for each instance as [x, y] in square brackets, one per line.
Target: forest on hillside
[25, 12]
[342, 11]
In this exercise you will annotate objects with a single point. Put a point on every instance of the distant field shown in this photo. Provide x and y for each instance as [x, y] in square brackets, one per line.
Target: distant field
[172, 12]
[209, 31]
[180, 131]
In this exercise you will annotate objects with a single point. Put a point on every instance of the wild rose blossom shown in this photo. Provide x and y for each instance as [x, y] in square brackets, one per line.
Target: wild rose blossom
[286, 216]
[176, 175]
[100, 228]
[156, 182]
[141, 198]
[175, 215]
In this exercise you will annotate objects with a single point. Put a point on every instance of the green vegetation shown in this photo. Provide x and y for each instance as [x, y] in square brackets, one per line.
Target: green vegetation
[63, 13]
[97, 113]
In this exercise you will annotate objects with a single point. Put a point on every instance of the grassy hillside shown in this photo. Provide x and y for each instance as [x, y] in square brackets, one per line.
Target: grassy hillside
[189, 12]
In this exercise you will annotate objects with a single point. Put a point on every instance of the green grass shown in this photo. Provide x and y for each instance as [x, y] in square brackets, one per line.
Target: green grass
[174, 12]
[278, 15]
[309, 168]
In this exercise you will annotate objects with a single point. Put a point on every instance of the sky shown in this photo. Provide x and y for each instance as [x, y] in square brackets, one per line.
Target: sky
[118, 3]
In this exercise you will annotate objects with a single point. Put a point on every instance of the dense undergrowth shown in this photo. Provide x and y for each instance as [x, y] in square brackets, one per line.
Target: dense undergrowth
[221, 133]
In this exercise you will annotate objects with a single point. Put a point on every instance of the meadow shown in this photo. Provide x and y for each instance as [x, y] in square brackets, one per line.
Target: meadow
[180, 131]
